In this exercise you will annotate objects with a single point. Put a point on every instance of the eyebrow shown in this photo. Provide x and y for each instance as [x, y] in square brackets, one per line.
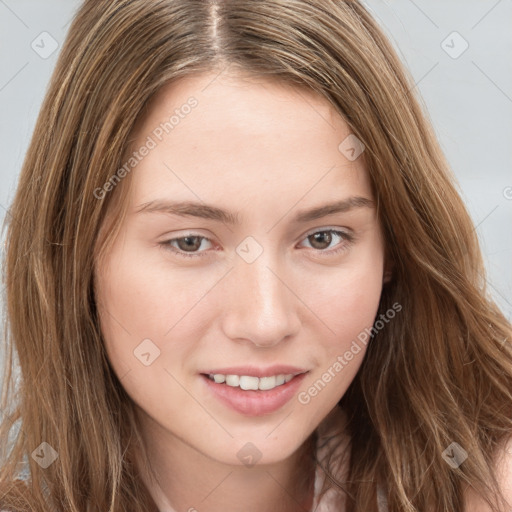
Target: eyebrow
[205, 211]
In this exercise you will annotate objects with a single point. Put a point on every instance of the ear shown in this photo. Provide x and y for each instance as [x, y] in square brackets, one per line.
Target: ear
[388, 271]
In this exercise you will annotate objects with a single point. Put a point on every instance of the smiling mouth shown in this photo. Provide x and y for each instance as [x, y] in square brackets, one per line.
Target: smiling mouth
[254, 396]
[247, 382]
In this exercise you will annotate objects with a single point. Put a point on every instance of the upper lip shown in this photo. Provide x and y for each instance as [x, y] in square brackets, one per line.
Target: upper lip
[254, 371]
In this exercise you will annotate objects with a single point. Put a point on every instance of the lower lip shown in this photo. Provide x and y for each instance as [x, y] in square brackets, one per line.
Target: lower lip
[252, 402]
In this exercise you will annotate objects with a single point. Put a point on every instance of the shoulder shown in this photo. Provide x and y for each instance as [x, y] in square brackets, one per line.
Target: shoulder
[474, 502]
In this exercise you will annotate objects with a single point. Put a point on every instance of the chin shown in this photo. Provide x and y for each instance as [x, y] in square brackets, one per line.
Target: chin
[251, 449]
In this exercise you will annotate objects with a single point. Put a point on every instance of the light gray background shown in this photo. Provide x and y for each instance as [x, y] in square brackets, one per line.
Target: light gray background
[468, 98]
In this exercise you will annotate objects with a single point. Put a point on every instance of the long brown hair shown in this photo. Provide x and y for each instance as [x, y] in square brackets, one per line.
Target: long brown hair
[438, 374]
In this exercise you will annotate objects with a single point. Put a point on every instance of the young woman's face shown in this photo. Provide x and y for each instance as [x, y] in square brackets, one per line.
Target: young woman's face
[230, 262]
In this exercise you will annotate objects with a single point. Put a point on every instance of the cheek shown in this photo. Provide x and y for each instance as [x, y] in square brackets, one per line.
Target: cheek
[347, 305]
[141, 296]
[349, 295]
[346, 302]
[140, 300]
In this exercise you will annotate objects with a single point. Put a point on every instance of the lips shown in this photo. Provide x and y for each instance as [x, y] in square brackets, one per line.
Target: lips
[254, 371]
[252, 402]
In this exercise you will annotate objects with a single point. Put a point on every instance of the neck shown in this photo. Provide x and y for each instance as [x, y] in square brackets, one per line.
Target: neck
[181, 478]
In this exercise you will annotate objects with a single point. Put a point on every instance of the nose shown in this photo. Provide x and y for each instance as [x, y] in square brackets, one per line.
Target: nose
[260, 308]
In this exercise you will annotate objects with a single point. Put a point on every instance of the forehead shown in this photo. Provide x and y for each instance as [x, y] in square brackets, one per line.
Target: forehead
[244, 137]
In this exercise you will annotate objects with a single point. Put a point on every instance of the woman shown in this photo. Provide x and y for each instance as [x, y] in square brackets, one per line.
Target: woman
[239, 276]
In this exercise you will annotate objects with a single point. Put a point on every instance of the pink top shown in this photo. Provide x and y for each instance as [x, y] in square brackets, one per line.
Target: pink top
[328, 442]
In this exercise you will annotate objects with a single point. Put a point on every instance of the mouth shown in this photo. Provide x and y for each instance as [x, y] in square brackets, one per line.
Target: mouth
[249, 382]
[252, 395]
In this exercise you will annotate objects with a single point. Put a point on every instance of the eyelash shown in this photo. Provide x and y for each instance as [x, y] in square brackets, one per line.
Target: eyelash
[348, 238]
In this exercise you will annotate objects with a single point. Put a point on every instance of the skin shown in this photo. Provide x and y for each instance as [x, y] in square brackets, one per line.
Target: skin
[474, 502]
[265, 150]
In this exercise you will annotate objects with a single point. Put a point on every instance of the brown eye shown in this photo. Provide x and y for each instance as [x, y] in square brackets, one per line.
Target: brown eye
[320, 240]
[186, 246]
[189, 243]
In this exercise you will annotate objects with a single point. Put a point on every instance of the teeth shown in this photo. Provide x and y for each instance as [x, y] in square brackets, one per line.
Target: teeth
[247, 382]
[267, 383]
[233, 380]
